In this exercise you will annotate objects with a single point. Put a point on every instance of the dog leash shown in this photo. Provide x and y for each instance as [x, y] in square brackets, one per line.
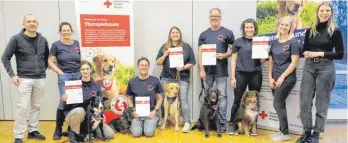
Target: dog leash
[178, 78]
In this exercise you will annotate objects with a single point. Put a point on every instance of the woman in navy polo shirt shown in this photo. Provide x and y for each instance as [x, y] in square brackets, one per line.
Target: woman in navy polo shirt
[64, 60]
[149, 86]
[169, 74]
[76, 115]
[245, 71]
[284, 56]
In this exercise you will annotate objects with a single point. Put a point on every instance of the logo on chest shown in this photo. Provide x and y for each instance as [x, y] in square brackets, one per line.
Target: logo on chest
[286, 47]
[220, 37]
[150, 87]
[77, 50]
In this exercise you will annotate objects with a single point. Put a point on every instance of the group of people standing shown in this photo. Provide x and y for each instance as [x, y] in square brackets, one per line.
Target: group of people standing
[322, 45]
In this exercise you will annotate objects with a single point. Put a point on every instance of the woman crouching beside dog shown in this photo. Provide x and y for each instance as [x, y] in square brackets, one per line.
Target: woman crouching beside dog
[77, 112]
[149, 86]
[284, 57]
[245, 71]
[170, 74]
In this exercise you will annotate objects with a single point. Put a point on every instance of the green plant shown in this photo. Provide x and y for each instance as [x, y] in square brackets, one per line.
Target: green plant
[124, 73]
[266, 8]
[267, 25]
[308, 14]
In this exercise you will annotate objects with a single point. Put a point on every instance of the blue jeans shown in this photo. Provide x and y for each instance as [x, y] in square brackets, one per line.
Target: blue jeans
[318, 79]
[143, 125]
[61, 83]
[220, 84]
[184, 89]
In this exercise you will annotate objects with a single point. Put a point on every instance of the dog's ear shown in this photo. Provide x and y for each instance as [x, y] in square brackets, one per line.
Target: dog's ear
[117, 62]
[105, 98]
[166, 87]
[97, 60]
[242, 103]
[206, 98]
[91, 98]
[218, 93]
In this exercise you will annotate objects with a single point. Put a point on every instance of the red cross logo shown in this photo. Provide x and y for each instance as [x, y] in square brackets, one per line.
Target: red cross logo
[263, 115]
[107, 3]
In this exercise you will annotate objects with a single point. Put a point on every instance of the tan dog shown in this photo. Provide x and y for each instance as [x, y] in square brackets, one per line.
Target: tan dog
[248, 113]
[292, 8]
[171, 105]
[105, 67]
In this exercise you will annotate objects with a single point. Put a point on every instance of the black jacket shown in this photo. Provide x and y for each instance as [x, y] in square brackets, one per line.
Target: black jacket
[30, 63]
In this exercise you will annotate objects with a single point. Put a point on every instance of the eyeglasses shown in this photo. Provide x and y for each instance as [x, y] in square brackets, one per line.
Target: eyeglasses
[214, 16]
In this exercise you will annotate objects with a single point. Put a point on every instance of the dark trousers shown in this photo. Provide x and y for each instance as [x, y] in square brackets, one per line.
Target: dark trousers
[243, 80]
[318, 79]
[279, 97]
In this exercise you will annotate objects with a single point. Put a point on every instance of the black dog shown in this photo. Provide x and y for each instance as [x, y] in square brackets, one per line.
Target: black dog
[95, 116]
[208, 117]
[122, 125]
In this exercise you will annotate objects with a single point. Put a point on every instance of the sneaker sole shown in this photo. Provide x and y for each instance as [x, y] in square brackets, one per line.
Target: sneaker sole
[230, 133]
[30, 137]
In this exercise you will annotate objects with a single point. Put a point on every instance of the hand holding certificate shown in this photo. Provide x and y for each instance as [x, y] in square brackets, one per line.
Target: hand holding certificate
[209, 54]
[176, 57]
[142, 106]
[260, 47]
[74, 91]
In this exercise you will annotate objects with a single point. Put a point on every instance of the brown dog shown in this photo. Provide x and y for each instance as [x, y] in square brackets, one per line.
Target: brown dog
[171, 105]
[248, 113]
[292, 8]
[105, 67]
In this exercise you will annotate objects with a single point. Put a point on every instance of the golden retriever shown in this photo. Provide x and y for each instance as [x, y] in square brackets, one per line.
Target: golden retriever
[292, 8]
[171, 105]
[248, 113]
[105, 67]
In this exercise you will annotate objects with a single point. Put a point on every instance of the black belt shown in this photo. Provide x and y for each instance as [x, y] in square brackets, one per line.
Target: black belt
[319, 59]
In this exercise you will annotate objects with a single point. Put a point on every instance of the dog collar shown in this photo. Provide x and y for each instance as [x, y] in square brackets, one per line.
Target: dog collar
[97, 116]
[171, 100]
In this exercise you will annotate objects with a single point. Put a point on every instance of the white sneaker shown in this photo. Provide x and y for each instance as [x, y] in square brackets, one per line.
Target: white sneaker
[186, 128]
[280, 137]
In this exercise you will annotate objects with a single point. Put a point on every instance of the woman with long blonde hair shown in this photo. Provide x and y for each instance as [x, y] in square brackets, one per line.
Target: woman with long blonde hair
[170, 74]
[284, 57]
[319, 75]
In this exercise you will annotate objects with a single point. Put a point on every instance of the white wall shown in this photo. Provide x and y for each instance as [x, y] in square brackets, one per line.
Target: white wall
[152, 21]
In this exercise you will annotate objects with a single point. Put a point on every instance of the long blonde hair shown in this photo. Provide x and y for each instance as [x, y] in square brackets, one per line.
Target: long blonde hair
[169, 42]
[331, 23]
[291, 19]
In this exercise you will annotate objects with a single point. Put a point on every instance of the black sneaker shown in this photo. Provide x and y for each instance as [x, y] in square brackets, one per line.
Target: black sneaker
[231, 130]
[18, 140]
[223, 127]
[36, 135]
[315, 138]
[305, 138]
[57, 134]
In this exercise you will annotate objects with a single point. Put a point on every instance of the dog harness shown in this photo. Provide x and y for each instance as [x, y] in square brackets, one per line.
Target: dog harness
[215, 109]
[171, 100]
[97, 116]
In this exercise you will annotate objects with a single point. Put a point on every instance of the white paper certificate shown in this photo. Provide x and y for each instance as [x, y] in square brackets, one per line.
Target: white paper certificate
[259, 47]
[209, 54]
[74, 91]
[176, 57]
[142, 106]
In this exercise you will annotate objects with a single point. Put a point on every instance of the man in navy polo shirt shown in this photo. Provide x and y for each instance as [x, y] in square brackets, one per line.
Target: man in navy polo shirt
[223, 38]
[144, 85]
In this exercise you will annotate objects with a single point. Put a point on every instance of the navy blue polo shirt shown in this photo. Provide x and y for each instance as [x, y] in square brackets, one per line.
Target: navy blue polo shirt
[68, 56]
[170, 73]
[281, 55]
[221, 37]
[245, 63]
[144, 88]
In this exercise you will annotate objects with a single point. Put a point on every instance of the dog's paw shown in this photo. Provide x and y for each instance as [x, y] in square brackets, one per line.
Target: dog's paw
[177, 129]
[163, 127]
[236, 133]
[206, 136]
[219, 135]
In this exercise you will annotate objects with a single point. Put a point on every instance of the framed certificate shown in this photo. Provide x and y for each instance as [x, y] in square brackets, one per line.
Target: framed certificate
[176, 57]
[259, 47]
[73, 89]
[208, 54]
[142, 106]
